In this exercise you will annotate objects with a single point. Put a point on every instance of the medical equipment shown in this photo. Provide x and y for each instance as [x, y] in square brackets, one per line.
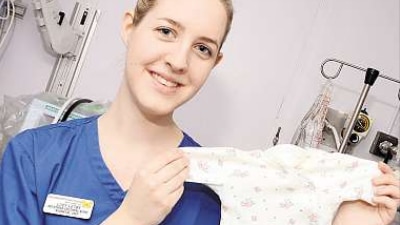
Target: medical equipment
[370, 78]
[309, 133]
[20, 9]
[58, 35]
[67, 40]
[361, 128]
[24, 112]
[276, 138]
[7, 20]
[385, 146]
[388, 150]
[333, 129]
[9, 10]
[67, 108]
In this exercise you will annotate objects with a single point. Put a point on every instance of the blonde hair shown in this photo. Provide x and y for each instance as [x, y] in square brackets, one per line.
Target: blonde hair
[144, 6]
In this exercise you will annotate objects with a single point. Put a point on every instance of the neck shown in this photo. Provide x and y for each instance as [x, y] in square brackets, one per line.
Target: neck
[129, 138]
[125, 126]
[137, 129]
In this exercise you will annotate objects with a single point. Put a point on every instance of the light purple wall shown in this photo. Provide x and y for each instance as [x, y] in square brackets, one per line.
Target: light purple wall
[269, 76]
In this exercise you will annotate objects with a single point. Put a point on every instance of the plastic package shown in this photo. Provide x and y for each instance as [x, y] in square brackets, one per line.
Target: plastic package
[309, 132]
[29, 111]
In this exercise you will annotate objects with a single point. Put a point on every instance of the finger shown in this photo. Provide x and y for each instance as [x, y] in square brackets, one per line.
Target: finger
[163, 159]
[175, 196]
[387, 190]
[171, 170]
[386, 179]
[385, 201]
[384, 168]
[176, 182]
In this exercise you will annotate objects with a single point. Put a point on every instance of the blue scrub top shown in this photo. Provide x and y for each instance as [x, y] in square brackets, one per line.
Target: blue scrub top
[65, 159]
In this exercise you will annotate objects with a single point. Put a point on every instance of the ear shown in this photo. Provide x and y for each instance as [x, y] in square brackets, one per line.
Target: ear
[127, 26]
[218, 59]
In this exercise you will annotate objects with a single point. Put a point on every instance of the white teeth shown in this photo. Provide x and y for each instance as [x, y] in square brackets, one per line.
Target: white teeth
[164, 81]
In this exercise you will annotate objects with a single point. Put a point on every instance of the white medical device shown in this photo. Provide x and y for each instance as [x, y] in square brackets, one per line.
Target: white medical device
[58, 35]
[67, 38]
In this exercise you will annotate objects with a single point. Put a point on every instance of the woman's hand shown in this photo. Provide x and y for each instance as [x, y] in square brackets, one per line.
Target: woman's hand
[154, 191]
[387, 194]
[387, 199]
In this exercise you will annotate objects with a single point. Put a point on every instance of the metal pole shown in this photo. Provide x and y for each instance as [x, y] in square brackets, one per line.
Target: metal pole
[369, 80]
[354, 117]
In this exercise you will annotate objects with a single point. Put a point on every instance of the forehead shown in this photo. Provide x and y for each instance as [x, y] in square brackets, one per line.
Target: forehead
[200, 17]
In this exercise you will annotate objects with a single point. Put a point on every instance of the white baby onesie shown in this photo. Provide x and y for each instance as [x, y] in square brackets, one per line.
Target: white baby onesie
[282, 185]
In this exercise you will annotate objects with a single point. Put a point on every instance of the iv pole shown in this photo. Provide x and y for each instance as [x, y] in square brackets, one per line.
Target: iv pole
[370, 77]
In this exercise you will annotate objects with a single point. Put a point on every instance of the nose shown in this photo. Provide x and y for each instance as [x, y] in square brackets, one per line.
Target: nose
[178, 58]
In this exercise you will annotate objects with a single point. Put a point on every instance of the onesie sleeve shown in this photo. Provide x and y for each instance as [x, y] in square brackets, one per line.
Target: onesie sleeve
[354, 177]
[205, 165]
[341, 177]
[18, 201]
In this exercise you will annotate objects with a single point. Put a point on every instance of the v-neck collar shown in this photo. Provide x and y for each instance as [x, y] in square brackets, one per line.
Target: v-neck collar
[103, 173]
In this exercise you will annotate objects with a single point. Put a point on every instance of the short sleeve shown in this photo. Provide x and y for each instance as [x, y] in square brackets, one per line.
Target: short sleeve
[205, 165]
[18, 201]
[353, 177]
[339, 177]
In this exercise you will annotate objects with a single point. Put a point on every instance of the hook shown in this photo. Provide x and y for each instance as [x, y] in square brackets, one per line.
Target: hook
[353, 66]
[350, 65]
[340, 67]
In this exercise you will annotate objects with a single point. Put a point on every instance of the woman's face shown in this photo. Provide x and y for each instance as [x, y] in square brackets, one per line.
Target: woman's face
[171, 52]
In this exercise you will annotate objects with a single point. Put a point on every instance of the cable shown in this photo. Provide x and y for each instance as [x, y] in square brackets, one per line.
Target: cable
[10, 25]
[67, 108]
[8, 9]
[3, 20]
[335, 133]
[71, 108]
[62, 110]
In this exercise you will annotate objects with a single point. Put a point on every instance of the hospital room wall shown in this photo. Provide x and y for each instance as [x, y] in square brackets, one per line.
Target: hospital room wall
[365, 33]
[25, 67]
[271, 73]
[269, 76]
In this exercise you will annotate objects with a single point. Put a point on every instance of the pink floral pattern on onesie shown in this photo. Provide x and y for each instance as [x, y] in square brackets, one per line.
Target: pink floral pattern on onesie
[285, 184]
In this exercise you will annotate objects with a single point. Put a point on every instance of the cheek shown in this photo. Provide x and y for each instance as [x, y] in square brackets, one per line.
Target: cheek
[142, 50]
[200, 74]
[140, 56]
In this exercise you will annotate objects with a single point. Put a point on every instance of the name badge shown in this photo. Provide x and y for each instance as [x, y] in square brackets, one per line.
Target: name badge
[68, 206]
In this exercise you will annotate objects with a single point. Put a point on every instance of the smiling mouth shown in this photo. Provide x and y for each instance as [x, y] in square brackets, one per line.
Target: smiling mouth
[164, 81]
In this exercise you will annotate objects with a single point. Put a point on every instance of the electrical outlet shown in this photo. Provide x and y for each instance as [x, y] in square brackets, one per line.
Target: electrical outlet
[379, 138]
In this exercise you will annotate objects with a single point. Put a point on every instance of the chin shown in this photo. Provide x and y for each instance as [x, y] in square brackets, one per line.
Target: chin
[161, 106]
[158, 111]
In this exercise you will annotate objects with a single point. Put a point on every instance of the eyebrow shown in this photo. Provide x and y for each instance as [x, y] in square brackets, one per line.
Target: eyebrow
[209, 40]
[179, 26]
[173, 22]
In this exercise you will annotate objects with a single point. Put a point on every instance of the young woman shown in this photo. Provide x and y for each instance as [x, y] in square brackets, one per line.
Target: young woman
[124, 167]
